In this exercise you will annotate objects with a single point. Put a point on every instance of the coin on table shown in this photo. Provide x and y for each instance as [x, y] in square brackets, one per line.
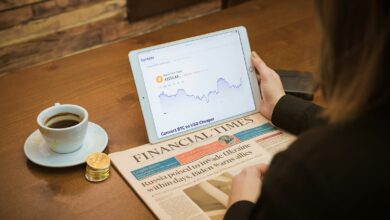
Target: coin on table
[98, 167]
[98, 161]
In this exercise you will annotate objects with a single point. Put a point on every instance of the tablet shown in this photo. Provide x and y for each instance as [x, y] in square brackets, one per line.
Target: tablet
[190, 84]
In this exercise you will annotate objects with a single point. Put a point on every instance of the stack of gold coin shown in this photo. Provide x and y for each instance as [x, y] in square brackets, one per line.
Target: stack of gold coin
[98, 167]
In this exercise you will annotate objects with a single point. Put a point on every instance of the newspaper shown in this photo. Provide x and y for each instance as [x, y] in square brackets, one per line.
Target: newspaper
[189, 177]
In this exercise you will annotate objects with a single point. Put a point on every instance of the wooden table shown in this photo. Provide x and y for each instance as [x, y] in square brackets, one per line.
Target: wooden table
[284, 32]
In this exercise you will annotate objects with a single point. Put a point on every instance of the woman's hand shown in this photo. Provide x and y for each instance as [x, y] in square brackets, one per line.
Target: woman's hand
[246, 185]
[271, 87]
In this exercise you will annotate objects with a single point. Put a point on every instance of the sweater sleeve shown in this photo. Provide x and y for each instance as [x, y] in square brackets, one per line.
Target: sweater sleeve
[296, 115]
[290, 192]
[239, 210]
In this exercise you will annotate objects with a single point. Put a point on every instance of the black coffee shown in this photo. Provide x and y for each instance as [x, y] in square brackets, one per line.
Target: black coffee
[63, 120]
[64, 124]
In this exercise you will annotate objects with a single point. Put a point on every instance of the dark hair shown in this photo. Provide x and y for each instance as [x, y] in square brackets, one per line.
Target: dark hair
[354, 75]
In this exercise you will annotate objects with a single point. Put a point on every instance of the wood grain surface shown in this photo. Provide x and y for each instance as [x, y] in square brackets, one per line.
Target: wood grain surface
[283, 32]
[46, 38]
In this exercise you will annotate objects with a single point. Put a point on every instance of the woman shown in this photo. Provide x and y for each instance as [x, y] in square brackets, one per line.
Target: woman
[339, 167]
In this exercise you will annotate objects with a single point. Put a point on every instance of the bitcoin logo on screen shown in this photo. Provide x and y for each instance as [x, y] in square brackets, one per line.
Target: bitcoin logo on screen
[159, 79]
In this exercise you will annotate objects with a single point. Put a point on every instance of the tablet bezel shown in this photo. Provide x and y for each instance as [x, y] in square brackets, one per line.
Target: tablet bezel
[143, 96]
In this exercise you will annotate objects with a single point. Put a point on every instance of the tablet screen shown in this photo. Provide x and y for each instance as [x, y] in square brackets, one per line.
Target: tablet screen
[196, 83]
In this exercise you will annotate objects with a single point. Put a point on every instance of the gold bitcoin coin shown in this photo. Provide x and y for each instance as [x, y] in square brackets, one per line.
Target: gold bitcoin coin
[96, 176]
[98, 161]
[98, 167]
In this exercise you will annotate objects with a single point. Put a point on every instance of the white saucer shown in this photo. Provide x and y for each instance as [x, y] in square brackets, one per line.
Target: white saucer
[40, 153]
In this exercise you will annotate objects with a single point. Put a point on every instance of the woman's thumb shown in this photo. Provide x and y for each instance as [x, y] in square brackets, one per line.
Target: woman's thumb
[260, 66]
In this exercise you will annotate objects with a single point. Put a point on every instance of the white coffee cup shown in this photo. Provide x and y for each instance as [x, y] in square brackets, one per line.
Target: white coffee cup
[63, 139]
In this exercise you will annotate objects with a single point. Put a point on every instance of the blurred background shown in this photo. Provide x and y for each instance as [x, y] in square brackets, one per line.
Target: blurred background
[37, 31]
